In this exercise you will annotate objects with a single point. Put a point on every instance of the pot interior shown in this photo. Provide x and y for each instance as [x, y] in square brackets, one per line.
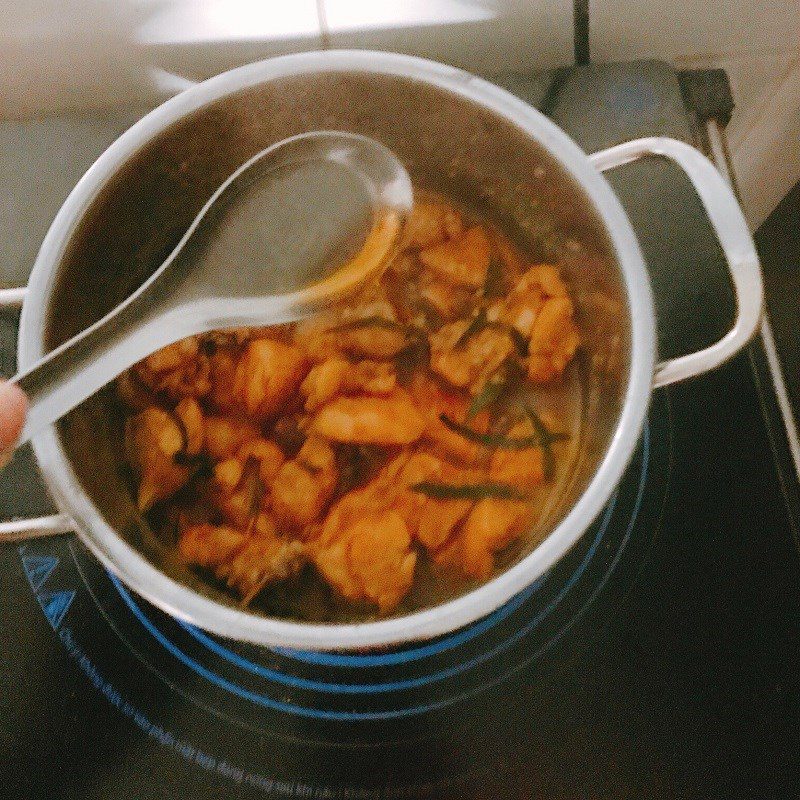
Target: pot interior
[451, 146]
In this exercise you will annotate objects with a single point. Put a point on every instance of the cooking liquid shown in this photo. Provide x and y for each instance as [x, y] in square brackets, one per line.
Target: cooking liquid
[240, 232]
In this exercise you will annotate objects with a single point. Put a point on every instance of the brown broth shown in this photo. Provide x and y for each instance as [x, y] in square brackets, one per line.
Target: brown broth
[307, 596]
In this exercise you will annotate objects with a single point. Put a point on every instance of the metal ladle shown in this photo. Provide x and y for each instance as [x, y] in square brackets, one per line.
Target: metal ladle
[297, 228]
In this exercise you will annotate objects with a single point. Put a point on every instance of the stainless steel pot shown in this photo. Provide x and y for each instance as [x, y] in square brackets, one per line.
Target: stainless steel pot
[457, 134]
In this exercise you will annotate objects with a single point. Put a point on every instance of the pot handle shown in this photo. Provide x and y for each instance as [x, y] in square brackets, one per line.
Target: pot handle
[17, 530]
[737, 244]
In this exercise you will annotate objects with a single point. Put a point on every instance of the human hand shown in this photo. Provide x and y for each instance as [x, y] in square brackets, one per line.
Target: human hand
[13, 407]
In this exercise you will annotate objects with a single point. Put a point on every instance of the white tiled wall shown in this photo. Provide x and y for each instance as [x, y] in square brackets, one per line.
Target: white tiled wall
[57, 54]
[679, 29]
[483, 36]
[203, 37]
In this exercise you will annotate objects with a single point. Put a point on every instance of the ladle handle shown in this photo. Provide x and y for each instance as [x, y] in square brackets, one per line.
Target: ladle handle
[72, 372]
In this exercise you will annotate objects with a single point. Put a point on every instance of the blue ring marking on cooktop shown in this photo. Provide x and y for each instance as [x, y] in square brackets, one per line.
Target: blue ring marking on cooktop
[363, 716]
[375, 688]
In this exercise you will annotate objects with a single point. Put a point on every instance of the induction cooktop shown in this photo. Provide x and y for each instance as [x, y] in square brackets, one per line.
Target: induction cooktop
[659, 659]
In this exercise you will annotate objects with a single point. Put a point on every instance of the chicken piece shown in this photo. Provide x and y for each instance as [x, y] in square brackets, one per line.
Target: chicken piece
[152, 440]
[446, 300]
[521, 469]
[228, 473]
[304, 486]
[439, 518]
[178, 370]
[368, 559]
[269, 456]
[417, 510]
[239, 491]
[371, 338]
[388, 490]
[463, 261]
[390, 420]
[540, 309]
[547, 277]
[263, 559]
[190, 414]
[521, 307]
[222, 372]
[431, 223]
[209, 545]
[225, 435]
[337, 376]
[431, 520]
[490, 526]
[554, 340]
[469, 364]
[370, 377]
[267, 375]
[408, 470]
[246, 563]
[391, 493]
[323, 382]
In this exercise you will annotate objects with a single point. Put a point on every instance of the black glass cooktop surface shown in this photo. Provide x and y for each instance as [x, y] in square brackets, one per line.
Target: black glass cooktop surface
[659, 659]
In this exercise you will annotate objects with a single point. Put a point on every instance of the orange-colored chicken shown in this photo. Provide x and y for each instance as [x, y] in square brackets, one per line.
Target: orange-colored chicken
[267, 376]
[491, 525]
[433, 400]
[390, 420]
[225, 435]
[304, 486]
[431, 223]
[554, 340]
[521, 469]
[246, 563]
[463, 261]
[468, 361]
[178, 370]
[338, 376]
[369, 559]
[391, 428]
[540, 309]
[152, 440]
[190, 416]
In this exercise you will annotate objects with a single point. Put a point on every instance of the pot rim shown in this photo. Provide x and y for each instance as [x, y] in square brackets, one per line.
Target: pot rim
[193, 607]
